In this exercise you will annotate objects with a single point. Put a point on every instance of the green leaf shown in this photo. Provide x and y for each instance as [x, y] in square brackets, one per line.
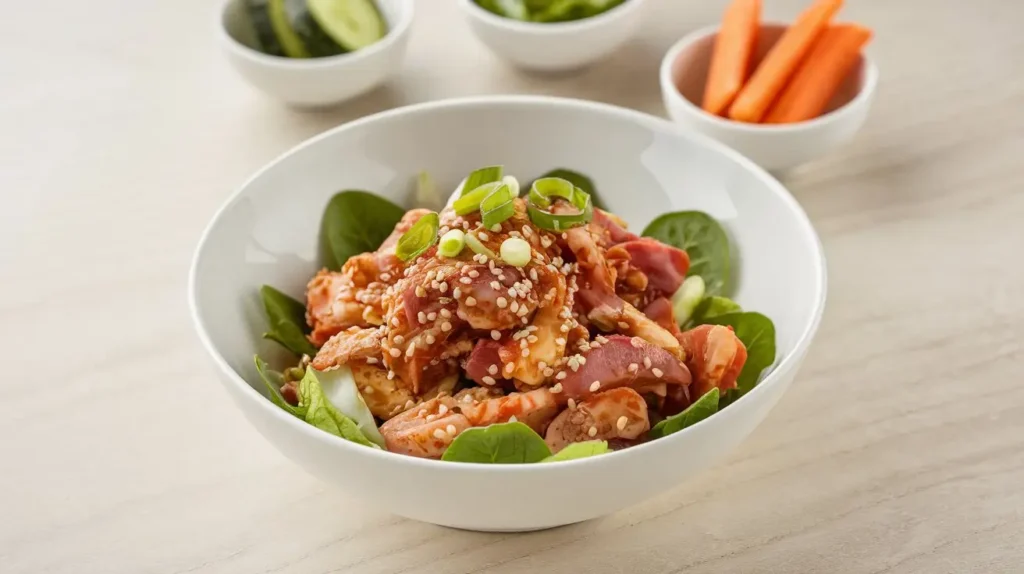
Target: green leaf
[324, 416]
[287, 321]
[580, 450]
[515, 9]
[758, 335]
[504, 443]
[578, 180]
[355, 222]
[340, 389]
[704, 241]
[704, 407]
[274, 380]
[712, 307]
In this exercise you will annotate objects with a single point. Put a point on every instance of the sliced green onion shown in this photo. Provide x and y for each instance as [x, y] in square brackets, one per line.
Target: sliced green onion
[477, 247]
[481, 176]
[452, 243]
[497, 206]
[512, 183]
[515, 251]
[420, 237]
[470, 202]
[540, 198]
[687, 297]
[426, 192]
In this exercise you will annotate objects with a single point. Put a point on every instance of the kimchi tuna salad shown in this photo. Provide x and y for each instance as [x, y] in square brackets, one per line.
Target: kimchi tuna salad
[512, 327]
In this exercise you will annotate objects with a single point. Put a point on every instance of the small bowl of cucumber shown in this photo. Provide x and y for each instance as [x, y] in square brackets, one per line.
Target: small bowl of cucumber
[315, 53]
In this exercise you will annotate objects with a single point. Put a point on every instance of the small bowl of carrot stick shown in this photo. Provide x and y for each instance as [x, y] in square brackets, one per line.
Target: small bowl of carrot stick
[781, 94]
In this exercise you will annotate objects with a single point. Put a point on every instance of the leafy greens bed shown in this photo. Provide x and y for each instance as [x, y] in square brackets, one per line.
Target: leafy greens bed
[356, 223]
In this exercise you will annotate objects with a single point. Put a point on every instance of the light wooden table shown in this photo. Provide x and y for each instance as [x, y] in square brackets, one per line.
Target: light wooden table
[900, 449]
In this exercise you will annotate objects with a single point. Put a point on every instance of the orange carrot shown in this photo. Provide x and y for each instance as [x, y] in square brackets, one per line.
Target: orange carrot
[828, 63]
[781, 61]
[730, 59]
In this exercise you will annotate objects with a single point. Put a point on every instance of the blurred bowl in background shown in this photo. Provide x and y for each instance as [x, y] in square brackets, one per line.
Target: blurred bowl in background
[555, 46]
[775, 147]
[316, 82]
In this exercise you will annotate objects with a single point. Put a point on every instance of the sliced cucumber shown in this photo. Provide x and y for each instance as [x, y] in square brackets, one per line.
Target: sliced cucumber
[353, 24]
[264, 38]
[306, 27]
[291, 43]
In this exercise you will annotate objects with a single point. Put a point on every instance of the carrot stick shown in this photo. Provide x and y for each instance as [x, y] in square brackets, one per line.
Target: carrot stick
[781, 61]
[828, 63]
[730, 59]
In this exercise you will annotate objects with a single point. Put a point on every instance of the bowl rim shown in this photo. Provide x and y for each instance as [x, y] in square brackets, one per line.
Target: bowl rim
[550, 28]
[669, 90]
[405, 18]
[778, 373]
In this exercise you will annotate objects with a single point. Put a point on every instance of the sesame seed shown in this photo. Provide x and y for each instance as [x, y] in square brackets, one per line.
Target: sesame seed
[432, 316]
[446, 313]
[371, 360]
[532, 339]
[430, 338]
[474, 273]
[533, 274]
[470, 302]
[489, 380]
[522, 343]
[657, 372]
[512, 292]
[399, 339]
[395, 352]
[409, 404]
[493, 369]
[541, 365]
[502, 302]
[467, 399]
[594, 386]
[451, 430]
[548, 372]
[431, 418]
[564, 235]
[482, 236]
[560, 341]
[496, 227]
[513, 419]
[501, 276]
[422, 412]
[560, 376]
[466, 281]
[422, 317]
[637, 342]
[431, 274]
[523, 310]
[495, 285]
[443, 286]
[439, 434]
[526, 352]
[647, 362]
[391, 375]
[572, 404]
[495, 270]
[446, 326]
[410, 351]
[621, 423]
[442, 409]
[496, 335]
[456, 292]
[367, 390]
[557, 388]
[510, 366]
[514, 307]
[595, 345]
[592, 432]
[395, 321]
[420, 291]
[633, 367]
[623, 325]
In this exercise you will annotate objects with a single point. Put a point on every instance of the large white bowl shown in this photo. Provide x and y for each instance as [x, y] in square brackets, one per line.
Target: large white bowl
[317, 82]
[643, 166]
[555, 46]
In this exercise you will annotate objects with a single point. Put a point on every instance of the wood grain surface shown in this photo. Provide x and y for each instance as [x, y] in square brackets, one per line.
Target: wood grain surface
[899, 449]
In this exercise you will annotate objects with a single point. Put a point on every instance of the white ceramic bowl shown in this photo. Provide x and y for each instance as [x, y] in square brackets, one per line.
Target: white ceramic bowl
[317, 82]
[774, 147]
[555, 46]
[643, 167]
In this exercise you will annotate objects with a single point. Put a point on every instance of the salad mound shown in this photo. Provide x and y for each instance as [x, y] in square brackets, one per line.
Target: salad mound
[508, 329]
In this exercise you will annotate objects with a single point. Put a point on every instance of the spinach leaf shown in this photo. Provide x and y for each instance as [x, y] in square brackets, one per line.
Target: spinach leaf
[579, 180]
[758, 335]
[340, 389]
[355, 222]
[505, 443]
[274, 380]
[287, 318]
[324, 416]
[580, 450]
[703, 239]
[711, 307]
[704, 407]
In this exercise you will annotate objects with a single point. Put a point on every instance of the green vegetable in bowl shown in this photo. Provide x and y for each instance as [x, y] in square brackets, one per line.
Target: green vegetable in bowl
[548, 10]
[287, 320]
[580, 450]
[701, 409]
[314, 28]
[352, 24]
[504, 443]
[307, 28]
[273, 381]
[420, 237]
[355, 222]
[687, 298]
[579, 180]
[704, 241]
[711, 307]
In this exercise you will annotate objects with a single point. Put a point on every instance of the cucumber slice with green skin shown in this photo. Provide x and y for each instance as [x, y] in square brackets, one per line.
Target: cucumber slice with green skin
[265, 38]
[306, 27]
[291, 43]
[353, 24]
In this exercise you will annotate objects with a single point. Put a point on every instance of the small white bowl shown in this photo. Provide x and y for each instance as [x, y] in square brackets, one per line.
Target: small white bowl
[266, 233]
[775, 147]
[554, 46]
[317, 82]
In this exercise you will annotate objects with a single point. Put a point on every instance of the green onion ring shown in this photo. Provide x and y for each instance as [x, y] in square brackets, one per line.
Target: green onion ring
[470, 202]
[497, 206]
[540, 199]
[420, 237]
[481, 176]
